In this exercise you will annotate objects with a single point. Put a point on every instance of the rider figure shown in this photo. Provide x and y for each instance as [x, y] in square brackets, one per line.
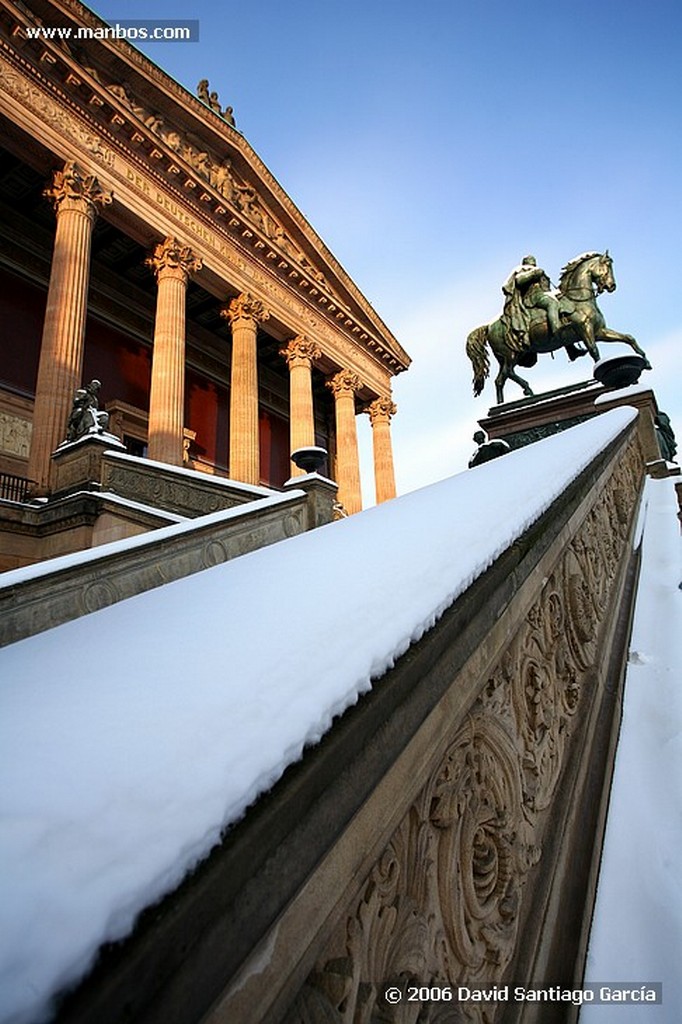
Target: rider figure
[528, 287]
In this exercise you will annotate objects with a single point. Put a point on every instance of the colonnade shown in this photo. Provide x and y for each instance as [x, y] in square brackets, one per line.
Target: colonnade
[77, 200]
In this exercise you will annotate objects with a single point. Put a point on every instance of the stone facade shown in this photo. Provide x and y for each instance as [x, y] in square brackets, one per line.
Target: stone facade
[163, 217]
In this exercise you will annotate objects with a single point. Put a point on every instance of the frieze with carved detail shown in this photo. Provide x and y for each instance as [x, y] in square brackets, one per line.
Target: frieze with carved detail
[73, 69]
[443, 903]
[52, 114]
[219, 174]
[15, 435]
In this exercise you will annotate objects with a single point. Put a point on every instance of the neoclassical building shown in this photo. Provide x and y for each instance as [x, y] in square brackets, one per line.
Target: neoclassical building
[144, 244]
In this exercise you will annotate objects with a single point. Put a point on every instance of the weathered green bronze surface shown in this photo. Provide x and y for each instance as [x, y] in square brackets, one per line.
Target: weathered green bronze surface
[538, 319]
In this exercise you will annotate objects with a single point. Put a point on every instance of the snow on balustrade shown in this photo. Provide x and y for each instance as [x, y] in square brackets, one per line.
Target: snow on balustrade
[132, 737]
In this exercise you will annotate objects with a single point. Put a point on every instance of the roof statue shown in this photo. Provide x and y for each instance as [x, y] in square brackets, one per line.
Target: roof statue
[211, 100]
[537, 318]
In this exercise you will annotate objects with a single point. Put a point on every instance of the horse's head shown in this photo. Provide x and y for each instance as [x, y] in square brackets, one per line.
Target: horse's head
[591, 270]
[602, 273]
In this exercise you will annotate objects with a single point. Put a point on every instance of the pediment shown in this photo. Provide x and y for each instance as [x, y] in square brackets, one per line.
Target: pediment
[192, 147]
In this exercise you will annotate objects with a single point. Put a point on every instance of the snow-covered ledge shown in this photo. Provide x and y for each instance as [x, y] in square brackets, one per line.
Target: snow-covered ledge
[41, 596]
[132, 739]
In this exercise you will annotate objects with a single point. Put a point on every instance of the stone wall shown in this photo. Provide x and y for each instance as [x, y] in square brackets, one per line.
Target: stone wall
[36, 598]
[445, 832]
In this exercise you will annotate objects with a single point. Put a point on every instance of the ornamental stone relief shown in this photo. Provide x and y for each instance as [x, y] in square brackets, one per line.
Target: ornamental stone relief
[442, 905]
[220, 175]
[300, 351]
[52, 114]
[245, 307]
[159, 492]
[172, 257]
[74, 189]
[15, 435]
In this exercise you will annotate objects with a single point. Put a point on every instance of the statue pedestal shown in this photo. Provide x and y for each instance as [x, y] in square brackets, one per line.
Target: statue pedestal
[322, 496]
[530, 419]
[77, 465]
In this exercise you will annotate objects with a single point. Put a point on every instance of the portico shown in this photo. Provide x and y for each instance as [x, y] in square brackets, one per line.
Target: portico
[176, 271]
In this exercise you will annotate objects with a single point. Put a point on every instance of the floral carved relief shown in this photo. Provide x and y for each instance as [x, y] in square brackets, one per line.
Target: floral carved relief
[52, 114]
[442, 905]
[484, 848]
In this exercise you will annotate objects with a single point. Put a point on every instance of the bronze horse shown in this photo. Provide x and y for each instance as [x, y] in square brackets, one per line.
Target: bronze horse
[581, 281]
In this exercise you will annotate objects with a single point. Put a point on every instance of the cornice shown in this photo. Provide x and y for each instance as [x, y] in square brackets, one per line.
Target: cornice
[208, 135]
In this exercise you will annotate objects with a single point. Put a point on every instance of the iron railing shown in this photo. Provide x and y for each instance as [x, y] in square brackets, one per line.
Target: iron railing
[14, 488]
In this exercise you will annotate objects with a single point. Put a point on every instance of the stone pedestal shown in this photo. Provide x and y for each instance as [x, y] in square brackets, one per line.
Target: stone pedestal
[77, 465]
[530, 419]
[322, 496]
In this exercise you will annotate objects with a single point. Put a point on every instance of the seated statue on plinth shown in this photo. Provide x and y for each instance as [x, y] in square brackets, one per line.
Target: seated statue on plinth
[85, 416]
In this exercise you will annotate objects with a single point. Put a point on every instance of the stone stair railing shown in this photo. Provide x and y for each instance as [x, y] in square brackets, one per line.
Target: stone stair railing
[44, 595]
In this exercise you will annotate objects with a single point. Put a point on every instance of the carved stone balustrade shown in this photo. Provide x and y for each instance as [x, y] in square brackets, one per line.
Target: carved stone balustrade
[446, 830]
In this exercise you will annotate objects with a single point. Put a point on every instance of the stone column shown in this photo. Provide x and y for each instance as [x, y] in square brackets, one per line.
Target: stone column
[380, 412]
[172, 264]
[300, 354]
[76, 197]
[343, 386]
[244, 313]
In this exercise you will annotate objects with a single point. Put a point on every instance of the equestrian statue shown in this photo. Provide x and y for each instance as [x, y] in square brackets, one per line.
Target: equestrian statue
[536, 318]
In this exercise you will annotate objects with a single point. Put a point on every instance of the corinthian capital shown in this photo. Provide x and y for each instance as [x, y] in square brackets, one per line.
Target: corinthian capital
[171, 258]
[381, 409]
[72, 189]
[345, 382]
[300, 351]
[245, 307]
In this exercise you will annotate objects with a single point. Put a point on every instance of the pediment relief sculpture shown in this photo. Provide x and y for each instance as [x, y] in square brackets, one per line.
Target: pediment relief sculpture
[219, 174]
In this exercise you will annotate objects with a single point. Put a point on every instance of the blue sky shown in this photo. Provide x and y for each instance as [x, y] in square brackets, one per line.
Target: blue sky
[433, 144]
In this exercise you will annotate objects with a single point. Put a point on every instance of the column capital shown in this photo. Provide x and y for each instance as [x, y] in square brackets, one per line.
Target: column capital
[300, 351]
[71, 189]
[245, 307]
[172, 259]
[381, 409]
[345, 382]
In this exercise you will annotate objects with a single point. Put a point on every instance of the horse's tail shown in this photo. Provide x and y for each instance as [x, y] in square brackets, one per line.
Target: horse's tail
[478, 354]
